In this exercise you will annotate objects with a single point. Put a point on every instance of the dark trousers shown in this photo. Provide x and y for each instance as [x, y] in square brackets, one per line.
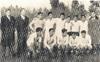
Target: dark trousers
[21, 48]
[7, 51]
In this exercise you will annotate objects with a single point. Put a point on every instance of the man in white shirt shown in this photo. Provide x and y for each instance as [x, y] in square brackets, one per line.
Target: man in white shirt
[68, 25]
[75, 25]
[84, 24]
[73, 43]
[49, 23]
[64, 40]
[35, 41]
[85, 40]
[50, 41]
[37, 22]
[60, 24]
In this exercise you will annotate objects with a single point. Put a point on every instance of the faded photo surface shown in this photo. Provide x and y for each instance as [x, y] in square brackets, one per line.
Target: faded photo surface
[49, 30]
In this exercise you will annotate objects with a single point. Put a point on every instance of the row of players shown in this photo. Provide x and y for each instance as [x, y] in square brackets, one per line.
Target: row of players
[58, 23]
[59, 31]
[38, 39]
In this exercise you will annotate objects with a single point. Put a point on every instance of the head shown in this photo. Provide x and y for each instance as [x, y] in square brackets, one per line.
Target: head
[83, 33]
[39, 31]
[51, 31]
[93, 14]
[64, 32]
[68, 19]
[8, 12]
[62, 16]
[75, 18]
[23, 12]
[73, 35]
[83, 18]
[40, 15]
[50, 15]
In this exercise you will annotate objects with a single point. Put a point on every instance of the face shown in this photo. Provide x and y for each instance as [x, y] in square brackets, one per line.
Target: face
[23, 12]
[40, 16]
[51, 32]
[83, 18]
[50, 16]
[62, 17]
[92, 14]
[75, 19]
[73, 36]
[64, 34]
[39, 33]
[68, 19]
[8, 13]
[83, 35]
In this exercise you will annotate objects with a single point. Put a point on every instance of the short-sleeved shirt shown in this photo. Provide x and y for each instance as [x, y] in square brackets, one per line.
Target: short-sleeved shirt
[59, 26]
[84, 26]
[75, 26]
[37, 23]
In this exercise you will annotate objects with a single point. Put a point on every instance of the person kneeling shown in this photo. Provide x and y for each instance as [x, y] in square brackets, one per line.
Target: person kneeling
[85, 41]
[50, 41]
[35, 41]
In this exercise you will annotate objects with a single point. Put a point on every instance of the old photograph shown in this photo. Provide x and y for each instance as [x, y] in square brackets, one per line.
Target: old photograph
[49, 30]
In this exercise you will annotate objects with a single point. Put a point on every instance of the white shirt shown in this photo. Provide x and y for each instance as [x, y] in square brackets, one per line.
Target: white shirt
[85, 42]
[31, 40]
[59, 26]
[84, 26]
[48, 24]
[36, 23]
[49, 42]
[75, 26]
[63, 41]
[68, 26]
[23, 17]
[73, 42]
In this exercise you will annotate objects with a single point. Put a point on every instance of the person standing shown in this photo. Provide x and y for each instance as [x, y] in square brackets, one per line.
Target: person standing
[8, 30]
[49, 23]
[37, 22]
[22, 22]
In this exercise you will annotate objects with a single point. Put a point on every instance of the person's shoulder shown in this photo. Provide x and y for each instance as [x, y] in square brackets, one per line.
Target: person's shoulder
[27, 17]
[33, 35]
[88, 36]
[3, 16]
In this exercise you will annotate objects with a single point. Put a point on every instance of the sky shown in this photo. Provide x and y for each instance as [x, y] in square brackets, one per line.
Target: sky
[38, 3]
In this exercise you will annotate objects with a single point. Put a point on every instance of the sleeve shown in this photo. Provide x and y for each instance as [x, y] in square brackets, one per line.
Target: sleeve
[89, 40]
[30, 41]
[54, 41]
[31, 25]
[2, 23]
[45, 43]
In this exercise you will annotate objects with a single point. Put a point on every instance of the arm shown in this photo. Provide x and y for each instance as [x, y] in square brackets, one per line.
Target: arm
[30, 42]
[54, 43]
[31, 25]
[89, 42]
[45, 42]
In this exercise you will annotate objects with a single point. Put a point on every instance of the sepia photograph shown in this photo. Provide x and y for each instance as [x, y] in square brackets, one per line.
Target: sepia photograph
[49, 30]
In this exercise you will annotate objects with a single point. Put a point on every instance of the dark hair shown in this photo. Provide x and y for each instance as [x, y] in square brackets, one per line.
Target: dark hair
[76, 16]
[64, 30]
[51, 29]
[39, 29]
[62, 14]
[49, 13]
[8, 10]
[83, 31]
[83, 16]
[40, 13]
